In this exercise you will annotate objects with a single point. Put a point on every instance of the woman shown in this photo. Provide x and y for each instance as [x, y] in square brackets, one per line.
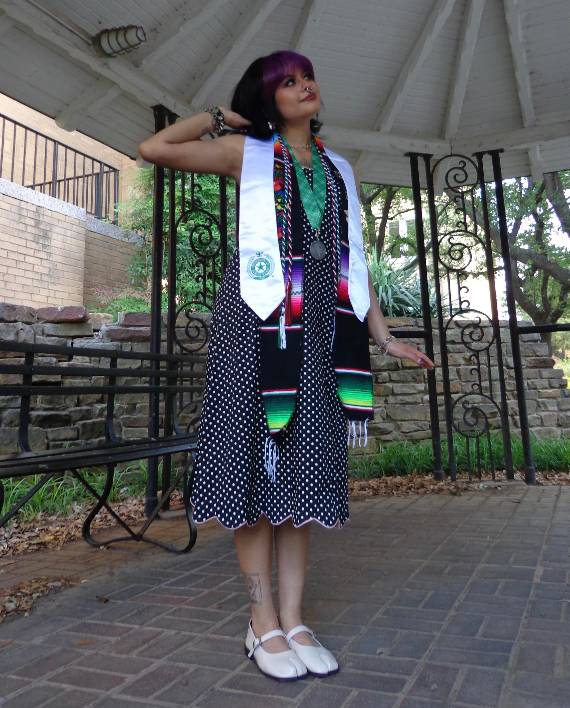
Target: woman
[288, 380]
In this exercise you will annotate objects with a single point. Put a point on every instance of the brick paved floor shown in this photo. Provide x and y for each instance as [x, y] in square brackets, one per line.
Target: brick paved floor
[427, 601]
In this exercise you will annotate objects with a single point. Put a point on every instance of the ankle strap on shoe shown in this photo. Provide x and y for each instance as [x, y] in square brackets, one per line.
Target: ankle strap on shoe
[299, 628]
[257, 641]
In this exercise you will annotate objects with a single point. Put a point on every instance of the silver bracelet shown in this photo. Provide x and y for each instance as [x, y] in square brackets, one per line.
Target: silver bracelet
[383, 346]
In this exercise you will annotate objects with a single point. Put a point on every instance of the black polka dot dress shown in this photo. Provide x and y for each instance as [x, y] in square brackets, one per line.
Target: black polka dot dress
[229, 481]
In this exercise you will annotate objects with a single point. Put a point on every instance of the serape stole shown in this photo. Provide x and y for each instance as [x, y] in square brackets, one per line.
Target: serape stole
[281, 335]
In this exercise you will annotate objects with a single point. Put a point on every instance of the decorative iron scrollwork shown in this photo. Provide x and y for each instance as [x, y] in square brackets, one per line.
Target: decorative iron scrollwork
[474, 335]
[461, 244]
[207, 241]
[472, 412]
[458, 172]
[192, 331]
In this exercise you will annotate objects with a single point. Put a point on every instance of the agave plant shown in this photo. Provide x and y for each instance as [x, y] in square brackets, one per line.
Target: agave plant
[398, 287]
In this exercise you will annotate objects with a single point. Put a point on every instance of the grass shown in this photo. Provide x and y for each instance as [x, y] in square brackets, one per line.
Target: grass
[402, 458]
[63, 493]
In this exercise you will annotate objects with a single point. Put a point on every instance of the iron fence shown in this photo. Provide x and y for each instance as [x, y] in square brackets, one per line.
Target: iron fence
[35, 160]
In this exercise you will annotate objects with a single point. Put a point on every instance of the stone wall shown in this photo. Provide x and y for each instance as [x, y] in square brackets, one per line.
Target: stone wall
[52, 252]
[59, 421]
[401, 396]
[401, 409]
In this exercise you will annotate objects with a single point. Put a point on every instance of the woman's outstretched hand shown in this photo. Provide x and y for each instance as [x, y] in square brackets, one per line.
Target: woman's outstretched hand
[406, 351]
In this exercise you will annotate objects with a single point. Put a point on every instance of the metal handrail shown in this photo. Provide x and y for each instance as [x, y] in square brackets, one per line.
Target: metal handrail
[59, 170]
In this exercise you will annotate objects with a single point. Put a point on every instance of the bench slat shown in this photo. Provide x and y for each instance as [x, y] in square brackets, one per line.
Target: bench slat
[76, 458]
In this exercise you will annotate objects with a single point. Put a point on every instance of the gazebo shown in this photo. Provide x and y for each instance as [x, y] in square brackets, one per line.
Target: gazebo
[429, 76]
[453, 95]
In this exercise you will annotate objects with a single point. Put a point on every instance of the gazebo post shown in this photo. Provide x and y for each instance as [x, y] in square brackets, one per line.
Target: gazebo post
[530, 470]
[151, 499]
[432, 390]
[170, 320]
[506, 428]
[434, 234]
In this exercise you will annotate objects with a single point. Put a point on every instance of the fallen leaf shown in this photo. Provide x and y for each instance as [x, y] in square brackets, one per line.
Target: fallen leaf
[20, 598]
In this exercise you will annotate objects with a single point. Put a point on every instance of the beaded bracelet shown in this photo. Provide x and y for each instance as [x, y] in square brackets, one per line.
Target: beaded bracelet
[218, 119]
[383, 346]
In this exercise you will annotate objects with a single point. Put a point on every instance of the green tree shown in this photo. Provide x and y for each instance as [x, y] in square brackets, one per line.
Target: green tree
[198, 233]
[536, 213]
[382, 204]
[540, 264]
[392, 256]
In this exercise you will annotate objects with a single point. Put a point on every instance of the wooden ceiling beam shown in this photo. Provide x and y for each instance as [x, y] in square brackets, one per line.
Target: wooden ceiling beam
[6, 24]
[245, 31]
[177, 27]
[373, 141]
[103, 91]
[467, 42]
[420, 51]
[307, 26]
[519, 139]
[522, 78]
[94, 98]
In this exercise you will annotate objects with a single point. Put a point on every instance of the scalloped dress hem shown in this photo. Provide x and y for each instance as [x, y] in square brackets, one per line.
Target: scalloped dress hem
[337, 525]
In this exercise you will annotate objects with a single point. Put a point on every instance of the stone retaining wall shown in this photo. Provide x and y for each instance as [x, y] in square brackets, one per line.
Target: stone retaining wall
[402, 408]
[59, 421]
[402, 402]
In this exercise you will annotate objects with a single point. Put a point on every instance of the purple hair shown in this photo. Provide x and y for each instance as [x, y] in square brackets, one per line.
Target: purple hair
[254, 95]
[280, 64]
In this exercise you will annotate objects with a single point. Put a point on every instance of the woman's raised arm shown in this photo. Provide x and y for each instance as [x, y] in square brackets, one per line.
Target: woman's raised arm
[179, 146]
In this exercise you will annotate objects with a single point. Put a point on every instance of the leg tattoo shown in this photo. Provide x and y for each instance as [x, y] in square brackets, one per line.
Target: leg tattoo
[253, 582]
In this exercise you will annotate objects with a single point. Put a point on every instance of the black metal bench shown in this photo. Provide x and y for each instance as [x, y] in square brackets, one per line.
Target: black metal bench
[157, 379]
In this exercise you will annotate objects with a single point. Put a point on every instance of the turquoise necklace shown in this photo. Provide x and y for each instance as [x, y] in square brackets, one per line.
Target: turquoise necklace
[313, 198]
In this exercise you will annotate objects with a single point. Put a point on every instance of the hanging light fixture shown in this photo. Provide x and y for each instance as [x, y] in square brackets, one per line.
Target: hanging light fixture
[119, 40]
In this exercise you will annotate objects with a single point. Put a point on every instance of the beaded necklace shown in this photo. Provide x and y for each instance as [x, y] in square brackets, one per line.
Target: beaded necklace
[313, 198]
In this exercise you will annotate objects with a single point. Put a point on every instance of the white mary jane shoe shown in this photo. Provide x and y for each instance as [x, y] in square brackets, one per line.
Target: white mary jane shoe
[281, 665]
[318, 660]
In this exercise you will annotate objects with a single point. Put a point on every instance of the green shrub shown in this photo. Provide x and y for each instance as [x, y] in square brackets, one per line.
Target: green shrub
[122, 303]
[398, 287]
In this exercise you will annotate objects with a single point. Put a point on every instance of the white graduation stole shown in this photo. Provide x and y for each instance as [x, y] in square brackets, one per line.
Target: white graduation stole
[261, 275]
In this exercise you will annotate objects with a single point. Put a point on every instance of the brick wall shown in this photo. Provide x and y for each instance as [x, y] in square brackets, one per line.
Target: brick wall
[47, 126]
[75, 419]
[42, 254]
[52, 253]
[107, 262]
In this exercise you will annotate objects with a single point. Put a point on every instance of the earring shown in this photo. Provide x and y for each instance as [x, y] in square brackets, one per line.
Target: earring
[271, 125]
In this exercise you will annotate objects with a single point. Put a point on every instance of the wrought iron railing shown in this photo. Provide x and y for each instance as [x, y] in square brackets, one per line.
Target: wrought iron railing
[39, 162]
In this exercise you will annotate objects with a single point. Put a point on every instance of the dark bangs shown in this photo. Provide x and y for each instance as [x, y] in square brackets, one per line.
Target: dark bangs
[254, 95]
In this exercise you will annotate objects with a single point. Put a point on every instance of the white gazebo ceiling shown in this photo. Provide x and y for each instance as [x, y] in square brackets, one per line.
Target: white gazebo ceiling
[396, 76]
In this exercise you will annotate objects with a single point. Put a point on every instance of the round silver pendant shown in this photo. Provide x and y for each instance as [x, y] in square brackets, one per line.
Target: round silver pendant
[318, 250]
